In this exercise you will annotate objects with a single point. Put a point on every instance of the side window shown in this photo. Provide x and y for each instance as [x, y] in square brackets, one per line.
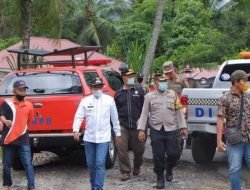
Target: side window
[90, 76]
[57, 82]
[114, 79]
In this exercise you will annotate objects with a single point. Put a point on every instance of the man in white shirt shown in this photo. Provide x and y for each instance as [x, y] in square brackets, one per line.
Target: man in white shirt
[97, 109]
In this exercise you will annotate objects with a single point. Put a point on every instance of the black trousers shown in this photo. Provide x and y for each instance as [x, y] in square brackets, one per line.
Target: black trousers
[164, 144]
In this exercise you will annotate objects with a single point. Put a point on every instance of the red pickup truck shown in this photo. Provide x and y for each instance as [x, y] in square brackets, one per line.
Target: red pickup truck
[56, 93]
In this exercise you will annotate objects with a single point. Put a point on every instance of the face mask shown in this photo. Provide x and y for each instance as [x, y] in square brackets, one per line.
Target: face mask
[97, 94]
[152, 84]
[131, 81]
[244, 87]
[188, 75]
[163, 86]
[20, 97]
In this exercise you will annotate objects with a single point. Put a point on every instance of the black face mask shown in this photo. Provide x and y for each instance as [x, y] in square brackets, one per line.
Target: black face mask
[20, 97]
[140, 80]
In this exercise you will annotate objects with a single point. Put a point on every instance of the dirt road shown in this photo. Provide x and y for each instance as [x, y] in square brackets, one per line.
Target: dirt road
[68, 173]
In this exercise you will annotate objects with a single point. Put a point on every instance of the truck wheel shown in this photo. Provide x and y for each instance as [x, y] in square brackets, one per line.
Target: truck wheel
[17, 164]
[203, 147]
[111, 155]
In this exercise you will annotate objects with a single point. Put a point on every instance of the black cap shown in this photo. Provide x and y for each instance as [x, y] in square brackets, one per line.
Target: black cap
[20, 84]
[128, 72]
[96, 82]
[238, 75]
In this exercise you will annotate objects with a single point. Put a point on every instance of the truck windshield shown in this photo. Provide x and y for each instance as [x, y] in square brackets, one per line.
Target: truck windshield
[229, 69]
[44, 83]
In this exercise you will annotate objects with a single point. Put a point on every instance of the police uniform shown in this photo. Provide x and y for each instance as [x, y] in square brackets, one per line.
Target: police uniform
[177, 83]
[189, 81]
[163, 112]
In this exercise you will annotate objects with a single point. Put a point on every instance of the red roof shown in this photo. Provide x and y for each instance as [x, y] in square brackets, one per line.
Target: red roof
[199, 73]
[49, 44]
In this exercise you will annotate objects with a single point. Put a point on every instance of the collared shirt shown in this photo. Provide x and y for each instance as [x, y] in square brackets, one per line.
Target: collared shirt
[162, 109]
[97, 113]
[177, 84]
[129, 103]
[229, 108]
[20, 113]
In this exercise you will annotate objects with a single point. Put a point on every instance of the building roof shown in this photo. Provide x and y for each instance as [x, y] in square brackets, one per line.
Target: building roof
[199, 73]
[50, 45]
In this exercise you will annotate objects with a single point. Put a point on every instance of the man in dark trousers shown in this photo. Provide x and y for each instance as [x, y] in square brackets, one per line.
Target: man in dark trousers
[16, 113]
[129, 101]
[162, 109]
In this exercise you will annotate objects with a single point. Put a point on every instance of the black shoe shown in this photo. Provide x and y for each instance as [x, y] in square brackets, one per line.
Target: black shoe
[160, 184]
[169, 174]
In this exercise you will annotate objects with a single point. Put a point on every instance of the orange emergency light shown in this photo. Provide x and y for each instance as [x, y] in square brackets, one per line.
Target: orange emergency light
[245, 55]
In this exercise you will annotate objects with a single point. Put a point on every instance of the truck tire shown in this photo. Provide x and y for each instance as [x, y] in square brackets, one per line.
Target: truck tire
[203, 147]
[111, 155]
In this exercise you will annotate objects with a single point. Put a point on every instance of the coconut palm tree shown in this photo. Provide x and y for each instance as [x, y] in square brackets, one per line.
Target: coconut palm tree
[98, 19]
[25, 15]
[153, 42]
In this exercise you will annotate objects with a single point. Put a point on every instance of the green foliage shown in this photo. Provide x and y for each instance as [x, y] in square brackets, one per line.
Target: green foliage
[135, 56]
[5, 43]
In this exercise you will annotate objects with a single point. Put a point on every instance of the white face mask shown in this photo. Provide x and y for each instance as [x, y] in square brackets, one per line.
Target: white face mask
[188, 75]
[97, 93]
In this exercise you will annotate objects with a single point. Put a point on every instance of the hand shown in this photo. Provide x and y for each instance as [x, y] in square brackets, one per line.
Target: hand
[1, 126]
[76, 136]
[141, 136]
[184, 131]
[8, 123]
[118, 140]
[221, 147]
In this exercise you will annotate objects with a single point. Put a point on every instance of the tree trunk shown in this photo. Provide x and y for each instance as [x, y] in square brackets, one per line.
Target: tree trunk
[26, 27]
[153, 42]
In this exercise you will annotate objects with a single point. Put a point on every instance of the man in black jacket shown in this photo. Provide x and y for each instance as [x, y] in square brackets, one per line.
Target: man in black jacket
[129, 101]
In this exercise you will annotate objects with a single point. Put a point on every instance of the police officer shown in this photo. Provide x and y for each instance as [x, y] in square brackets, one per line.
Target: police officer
[129, 101]
[190, 82]
[162, 109]
[175, 82]
[141, 84]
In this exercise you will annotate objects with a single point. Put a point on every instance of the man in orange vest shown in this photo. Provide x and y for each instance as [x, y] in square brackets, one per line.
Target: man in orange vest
[15, 114]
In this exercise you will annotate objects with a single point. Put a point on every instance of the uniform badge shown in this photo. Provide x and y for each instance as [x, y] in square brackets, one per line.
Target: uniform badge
[136, 92]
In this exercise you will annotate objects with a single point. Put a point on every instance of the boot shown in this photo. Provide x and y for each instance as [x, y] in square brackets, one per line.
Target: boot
[160, 184]
[169, 174]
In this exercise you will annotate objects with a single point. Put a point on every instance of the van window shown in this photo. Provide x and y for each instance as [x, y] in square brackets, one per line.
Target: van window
[89, 76]
[229, 69]
[44, 83]
[114, 79]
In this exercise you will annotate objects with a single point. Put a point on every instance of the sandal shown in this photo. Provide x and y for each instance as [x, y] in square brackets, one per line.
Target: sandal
[136, 172]
[125, 176]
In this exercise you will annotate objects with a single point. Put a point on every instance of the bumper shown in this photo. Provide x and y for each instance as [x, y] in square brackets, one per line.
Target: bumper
[202, 127]
[54, 141]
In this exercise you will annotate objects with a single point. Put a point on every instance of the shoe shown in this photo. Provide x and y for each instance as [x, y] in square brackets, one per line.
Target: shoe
[125, 176]
[6, 187]
[160, 184]
[136, 172]
[188, 146]
[169, 174]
